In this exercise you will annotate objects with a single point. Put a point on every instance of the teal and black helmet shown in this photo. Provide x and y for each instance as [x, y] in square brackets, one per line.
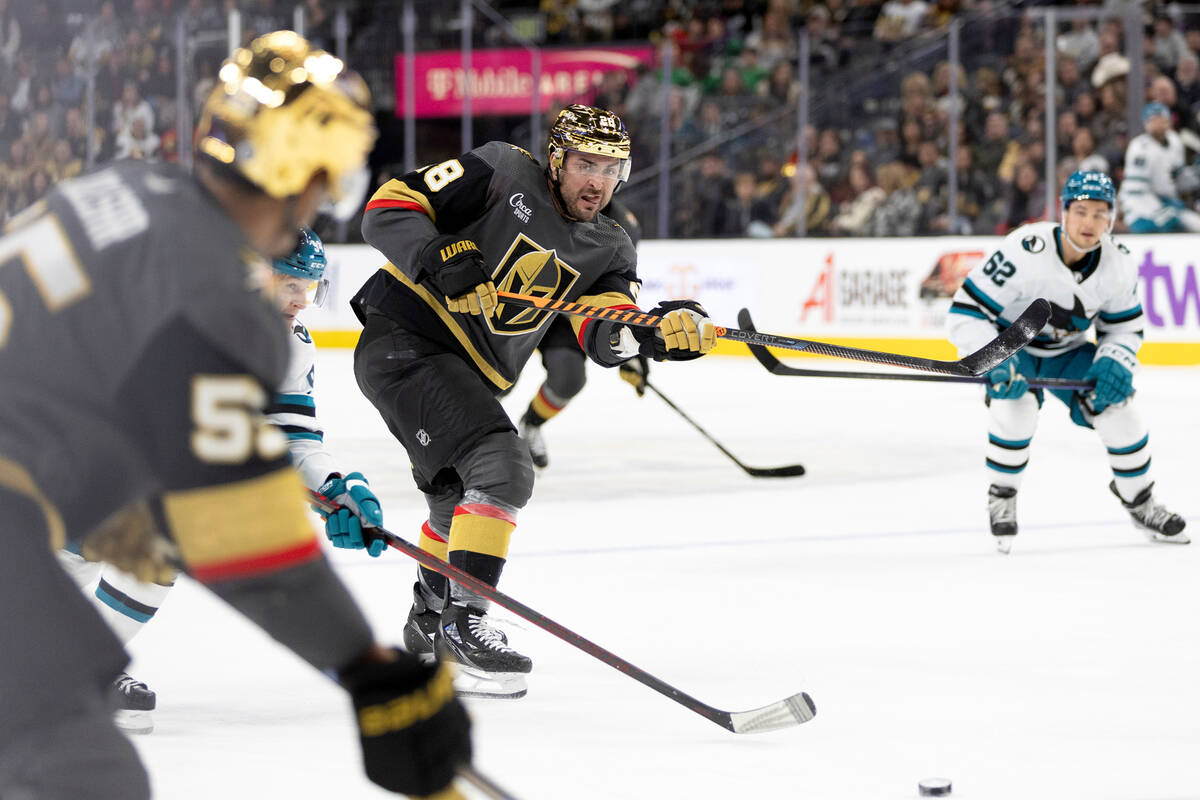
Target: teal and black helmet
[1088, 186]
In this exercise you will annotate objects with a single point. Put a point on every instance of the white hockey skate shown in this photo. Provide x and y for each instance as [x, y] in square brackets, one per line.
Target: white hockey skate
[1002, 515]
[134, 701]
[1153, 519]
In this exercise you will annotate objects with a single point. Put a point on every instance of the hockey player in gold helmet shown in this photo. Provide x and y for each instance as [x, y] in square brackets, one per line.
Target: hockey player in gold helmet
[134, 373]
[585, 183]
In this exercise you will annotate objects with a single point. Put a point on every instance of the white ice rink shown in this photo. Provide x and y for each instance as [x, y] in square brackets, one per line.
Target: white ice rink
[1069, 669]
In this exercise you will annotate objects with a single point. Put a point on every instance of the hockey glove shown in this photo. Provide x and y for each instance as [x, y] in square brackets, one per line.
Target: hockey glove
[1112, 370]
[635, 371]
[685, 332]
[358, 508]
[456, 266]
[414, 731]
[1006, 382]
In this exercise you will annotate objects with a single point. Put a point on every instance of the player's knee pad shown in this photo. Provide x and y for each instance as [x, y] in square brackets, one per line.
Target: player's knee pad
[499, 468]
[1014, 419]
[566, 371]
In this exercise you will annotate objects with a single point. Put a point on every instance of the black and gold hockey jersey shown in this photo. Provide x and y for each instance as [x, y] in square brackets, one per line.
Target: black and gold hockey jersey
[498, 196]
[136, 352]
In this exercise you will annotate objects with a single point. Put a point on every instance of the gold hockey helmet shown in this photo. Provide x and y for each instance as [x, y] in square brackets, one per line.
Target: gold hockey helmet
[283, 111]
[586, 129]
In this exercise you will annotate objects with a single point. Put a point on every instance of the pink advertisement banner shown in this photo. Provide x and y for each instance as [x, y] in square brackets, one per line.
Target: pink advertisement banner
[502, 80]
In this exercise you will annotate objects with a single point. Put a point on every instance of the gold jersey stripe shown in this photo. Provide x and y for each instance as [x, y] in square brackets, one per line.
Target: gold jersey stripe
[245, 521]
[479, 534]
[451, 324]
[396, 189]
[15, 477]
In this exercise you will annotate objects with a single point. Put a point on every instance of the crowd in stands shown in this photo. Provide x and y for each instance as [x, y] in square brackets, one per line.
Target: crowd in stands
[876, 154]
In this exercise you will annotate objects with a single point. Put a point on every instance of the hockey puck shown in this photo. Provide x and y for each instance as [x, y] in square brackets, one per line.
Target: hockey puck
[934, 787]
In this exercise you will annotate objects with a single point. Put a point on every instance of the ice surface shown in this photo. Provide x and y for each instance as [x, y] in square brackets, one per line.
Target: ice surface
[1069, 669]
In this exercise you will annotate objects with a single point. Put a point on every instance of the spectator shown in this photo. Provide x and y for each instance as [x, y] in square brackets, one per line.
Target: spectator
[1065, 132]
[68, 88]
[825, 52]
[828, 158]
[773, 41]
[65, 165]
[855, 214]
[38, 138]
[1081, 44]
[1026, 198]
[900, 19]
[779, 87]
[1071, 80]
[1162, 90]
[1187, 75]
[743, 214]
[900, 213]
[1169, 45]
[815, 208]
[1083, 150]
[10, 34]
[131, 106]
[137, 142]
[1085, 109]
[10, 123]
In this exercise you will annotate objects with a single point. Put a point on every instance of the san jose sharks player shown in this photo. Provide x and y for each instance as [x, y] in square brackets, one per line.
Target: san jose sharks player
[128, 604]
[438, 346]
[1090, 279]
[1155, 173]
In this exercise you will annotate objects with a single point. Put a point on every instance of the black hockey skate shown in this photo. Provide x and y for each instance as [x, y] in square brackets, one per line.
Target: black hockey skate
[1159, 524]
[1002, 513]
[421, 627]
[487, 666]
[133, 701]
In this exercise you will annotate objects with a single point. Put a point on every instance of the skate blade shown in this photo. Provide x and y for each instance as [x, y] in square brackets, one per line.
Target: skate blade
[1162, 538]
[491, 685]
[134, 722]
[1004, 544]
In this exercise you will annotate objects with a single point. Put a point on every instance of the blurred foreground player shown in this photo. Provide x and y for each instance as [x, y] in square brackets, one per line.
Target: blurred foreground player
[137, 352]
[438, 347]
[1088, 278]
[565, 362]
[128, 604]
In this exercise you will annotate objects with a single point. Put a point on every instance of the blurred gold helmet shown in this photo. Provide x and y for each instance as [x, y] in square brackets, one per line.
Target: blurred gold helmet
[586, 129]
[282, 112]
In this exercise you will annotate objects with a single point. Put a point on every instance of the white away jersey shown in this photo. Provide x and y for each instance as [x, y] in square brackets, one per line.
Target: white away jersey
[1100, 289]
[1150, 168]
[295, 412]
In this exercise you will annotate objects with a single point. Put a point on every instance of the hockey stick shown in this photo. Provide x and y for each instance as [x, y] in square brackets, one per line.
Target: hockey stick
[794, 710]
[991, 355]
[789, 471]
[484, 784]
[777, 367]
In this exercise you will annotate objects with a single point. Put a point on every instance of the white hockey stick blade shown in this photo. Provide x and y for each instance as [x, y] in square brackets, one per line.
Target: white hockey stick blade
[795, 710]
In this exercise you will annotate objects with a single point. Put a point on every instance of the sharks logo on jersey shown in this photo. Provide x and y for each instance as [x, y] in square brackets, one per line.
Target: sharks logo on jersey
[528, 268]
[1071, 319]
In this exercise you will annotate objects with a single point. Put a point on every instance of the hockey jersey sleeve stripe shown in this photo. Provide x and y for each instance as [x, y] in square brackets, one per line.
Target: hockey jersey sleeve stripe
[398, 194]
[299, 409]
[122, 603]
[481, 363]
[248, 527]
[1121, 316]
[968, 310]
[981, 298]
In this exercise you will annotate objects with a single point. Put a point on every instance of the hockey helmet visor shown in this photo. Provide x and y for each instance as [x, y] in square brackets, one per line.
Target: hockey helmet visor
[590, 131]
[307, 264]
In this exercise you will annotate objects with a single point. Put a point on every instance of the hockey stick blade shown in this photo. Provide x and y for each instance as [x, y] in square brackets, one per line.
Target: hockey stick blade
[799, 708]
[990, 355]
[777, 367]
[788, 471]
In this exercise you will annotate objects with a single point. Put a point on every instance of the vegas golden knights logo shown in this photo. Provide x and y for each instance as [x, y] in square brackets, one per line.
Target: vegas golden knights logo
[529, 269]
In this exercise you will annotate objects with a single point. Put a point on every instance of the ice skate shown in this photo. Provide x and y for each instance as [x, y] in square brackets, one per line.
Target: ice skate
[1002, 513]
[532, 436]
[487, 666]
[1159, 524]
[133, 701]
[421, 627]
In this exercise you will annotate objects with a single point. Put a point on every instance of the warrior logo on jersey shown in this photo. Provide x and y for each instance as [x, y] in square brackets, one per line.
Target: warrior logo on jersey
[529, 269]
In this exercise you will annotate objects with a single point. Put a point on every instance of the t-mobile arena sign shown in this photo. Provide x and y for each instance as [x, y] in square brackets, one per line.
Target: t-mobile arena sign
[502, 80]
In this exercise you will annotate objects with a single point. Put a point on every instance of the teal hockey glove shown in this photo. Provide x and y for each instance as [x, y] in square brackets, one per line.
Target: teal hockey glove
[1006, 382]
[1112, 370]
[358, 508]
